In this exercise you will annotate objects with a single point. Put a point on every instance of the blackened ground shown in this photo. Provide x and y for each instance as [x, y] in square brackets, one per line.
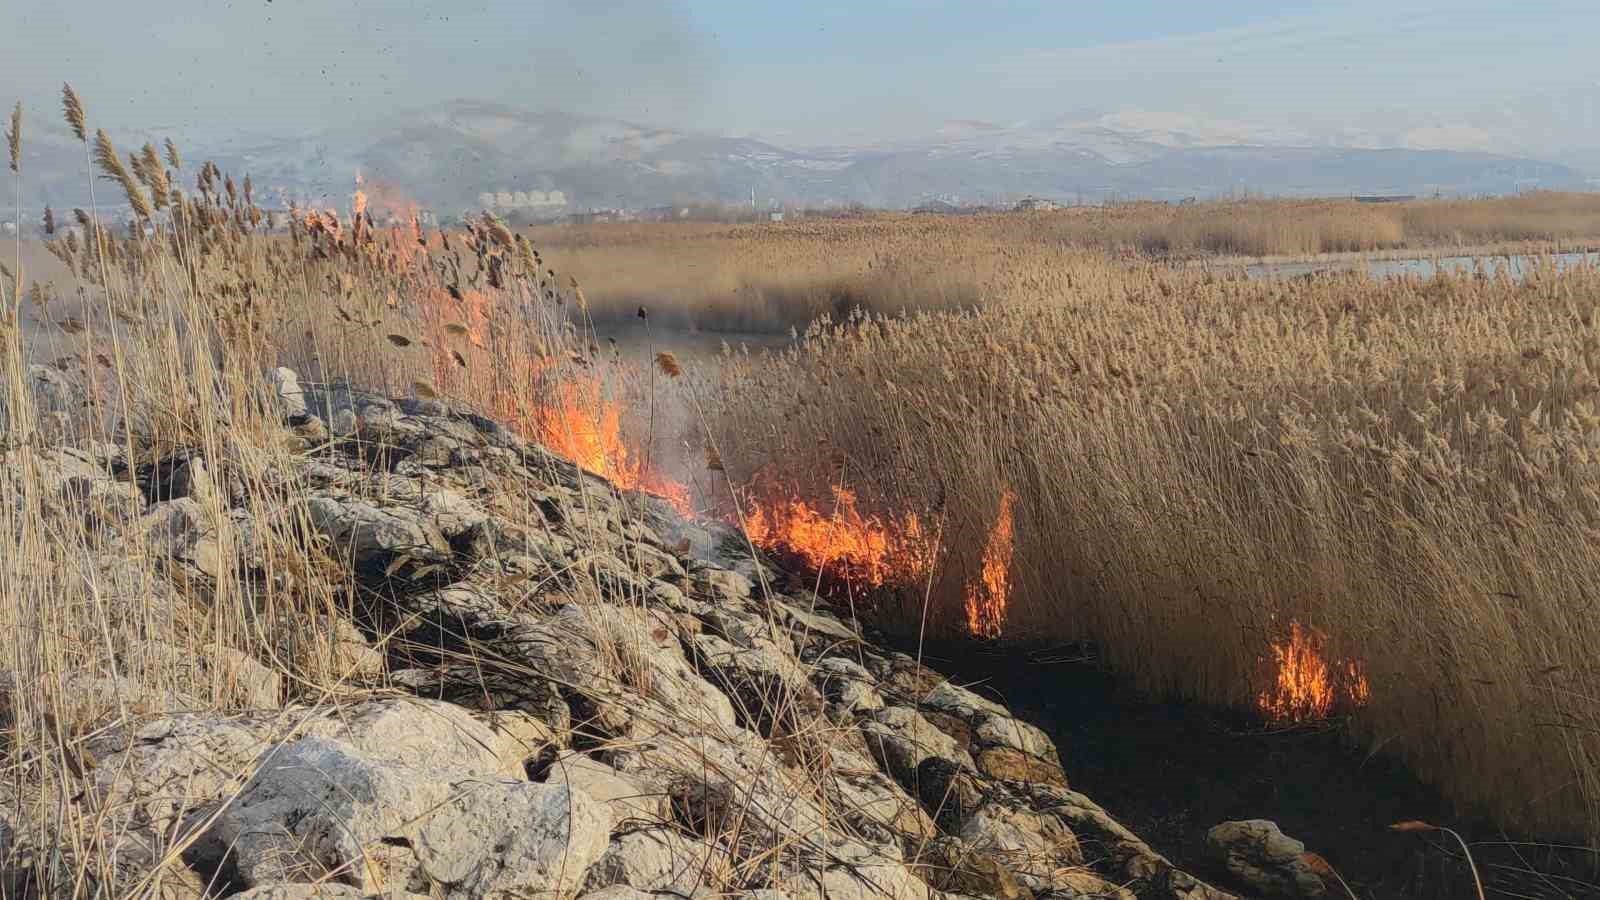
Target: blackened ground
[1170, 771]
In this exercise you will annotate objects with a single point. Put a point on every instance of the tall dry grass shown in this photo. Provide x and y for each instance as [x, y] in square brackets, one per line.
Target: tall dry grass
[771, 276]
[1200, 461]
[153, 346]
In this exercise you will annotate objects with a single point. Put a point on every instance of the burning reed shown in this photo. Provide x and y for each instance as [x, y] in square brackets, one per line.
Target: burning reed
[1309, 498]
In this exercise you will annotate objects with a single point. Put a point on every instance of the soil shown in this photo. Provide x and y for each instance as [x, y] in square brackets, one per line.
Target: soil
[1171, 770]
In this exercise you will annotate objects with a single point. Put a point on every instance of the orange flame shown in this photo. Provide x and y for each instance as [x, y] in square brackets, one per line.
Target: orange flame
[358, 200]
[581, 423]
[988, 596]
[1305, 686]
[864, 548]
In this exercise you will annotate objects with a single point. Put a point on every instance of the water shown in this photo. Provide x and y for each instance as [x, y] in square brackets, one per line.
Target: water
[1516, 266]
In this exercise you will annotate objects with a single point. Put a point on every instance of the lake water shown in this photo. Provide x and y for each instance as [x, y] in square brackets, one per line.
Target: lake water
[1514, 266]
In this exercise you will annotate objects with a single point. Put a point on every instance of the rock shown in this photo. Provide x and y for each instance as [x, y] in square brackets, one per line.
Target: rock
[425, 734]
[1260, 856]
[863, 880]
[903, 739]
[192, 479]
[618, 892]
[1008, 732]
[231, 675]
[1008, 764]
[1033, 845]
[291, 397]
[367, 534]
[655, 859]
[163, 769]
[318, 808]
[722, 584]
[326, 890]
[629, 800]
[506, 839]
[847, 685]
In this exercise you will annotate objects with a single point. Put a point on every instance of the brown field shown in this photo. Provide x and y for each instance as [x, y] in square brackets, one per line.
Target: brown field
[1183, 467]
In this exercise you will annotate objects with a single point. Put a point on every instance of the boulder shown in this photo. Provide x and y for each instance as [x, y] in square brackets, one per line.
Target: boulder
[1258, 855]
[629, 799]
[507, 839]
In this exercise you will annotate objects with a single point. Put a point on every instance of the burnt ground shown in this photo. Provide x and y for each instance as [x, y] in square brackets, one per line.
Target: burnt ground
[1170, 771]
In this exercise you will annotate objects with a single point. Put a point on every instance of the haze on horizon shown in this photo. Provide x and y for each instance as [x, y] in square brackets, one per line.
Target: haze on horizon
[1473, 75]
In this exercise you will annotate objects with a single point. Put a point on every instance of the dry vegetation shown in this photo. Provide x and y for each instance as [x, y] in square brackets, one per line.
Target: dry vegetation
[762, 277]
[1199, 462]
[160, 337]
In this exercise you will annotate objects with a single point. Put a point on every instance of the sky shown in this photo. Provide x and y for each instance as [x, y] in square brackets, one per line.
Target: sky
[1521, 76]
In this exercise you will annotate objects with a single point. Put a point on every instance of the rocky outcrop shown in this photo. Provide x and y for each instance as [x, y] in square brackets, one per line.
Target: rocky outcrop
[553, 688]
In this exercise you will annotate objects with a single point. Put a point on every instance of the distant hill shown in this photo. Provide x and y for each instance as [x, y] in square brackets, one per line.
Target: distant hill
[446, 156]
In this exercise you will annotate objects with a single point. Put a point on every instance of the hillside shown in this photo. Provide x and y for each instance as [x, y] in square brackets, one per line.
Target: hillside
[446, 156]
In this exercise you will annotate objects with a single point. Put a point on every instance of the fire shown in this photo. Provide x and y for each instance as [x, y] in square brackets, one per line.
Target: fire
[579, 422]
[860, 547]
[987, 597]
[1306, 687]
[358, 200]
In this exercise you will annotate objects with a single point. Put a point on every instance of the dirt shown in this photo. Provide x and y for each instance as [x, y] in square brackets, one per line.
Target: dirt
[1171, 770]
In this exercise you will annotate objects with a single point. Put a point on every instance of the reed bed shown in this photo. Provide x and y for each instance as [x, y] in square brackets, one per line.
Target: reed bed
[1202, 462]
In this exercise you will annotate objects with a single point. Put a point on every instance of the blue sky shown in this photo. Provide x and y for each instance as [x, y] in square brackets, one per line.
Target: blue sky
[815, 73]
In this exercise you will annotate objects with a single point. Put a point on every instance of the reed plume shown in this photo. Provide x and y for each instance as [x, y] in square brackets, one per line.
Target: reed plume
[72, 107]
[173, 159]
[105, 156]
[49, 221]
[14, 138]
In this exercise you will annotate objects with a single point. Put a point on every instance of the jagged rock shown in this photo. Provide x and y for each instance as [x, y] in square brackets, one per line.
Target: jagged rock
[870, 879]
[847, 685]
[1260, 856]
[1009, 732]
[423, 734]
[327, 890]
[629, 800]
[1031, 844]
[948, 864]
[315, 809]
[1008, 764]
[903, 739]
[618, 892]
[286, 389]
[365, 533]
[655, 859]
[505, 839]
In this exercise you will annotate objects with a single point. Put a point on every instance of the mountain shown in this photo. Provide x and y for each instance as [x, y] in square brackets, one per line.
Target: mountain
[444, 157]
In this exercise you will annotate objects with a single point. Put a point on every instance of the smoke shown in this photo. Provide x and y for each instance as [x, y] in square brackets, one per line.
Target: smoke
[303, 66]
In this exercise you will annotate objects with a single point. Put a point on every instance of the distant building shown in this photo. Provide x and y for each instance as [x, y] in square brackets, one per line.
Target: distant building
[524, 200]
[776, 217]
[1036, 204]
[1385, 198]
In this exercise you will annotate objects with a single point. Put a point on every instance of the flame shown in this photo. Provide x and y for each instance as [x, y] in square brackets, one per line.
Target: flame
[987, 597]
[1306, 687]
[579, 422]
[358, 200]
[865, 548]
